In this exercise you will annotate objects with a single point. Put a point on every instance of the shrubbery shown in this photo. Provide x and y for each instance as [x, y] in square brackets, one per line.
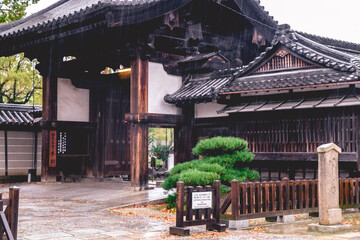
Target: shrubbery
[221, 160]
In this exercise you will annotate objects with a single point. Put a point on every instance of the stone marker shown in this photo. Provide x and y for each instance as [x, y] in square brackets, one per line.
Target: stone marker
[329, 210]
[330, 216]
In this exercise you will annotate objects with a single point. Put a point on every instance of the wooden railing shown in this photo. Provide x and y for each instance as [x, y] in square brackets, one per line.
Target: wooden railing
[278, 198]
[9, 216]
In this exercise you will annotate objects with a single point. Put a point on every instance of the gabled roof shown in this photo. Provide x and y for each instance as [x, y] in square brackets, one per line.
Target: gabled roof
[321, 65]
[19, 115]
[329, 67]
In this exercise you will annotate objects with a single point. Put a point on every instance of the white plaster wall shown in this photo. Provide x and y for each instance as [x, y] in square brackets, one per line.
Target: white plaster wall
[73, 103]
[160, 84]
[207, 110]
[20, 153]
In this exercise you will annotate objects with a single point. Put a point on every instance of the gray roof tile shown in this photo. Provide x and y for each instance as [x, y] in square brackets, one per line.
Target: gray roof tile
[19, 115]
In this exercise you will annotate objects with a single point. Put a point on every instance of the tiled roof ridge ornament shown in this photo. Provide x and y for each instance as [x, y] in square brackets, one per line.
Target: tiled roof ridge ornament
[356, 64]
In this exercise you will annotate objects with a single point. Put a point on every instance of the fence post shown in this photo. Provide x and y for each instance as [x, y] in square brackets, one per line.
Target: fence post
[235, 223]
[216, 186]
[180, 195]
[13, 210]
[180, 204]
[235, 199]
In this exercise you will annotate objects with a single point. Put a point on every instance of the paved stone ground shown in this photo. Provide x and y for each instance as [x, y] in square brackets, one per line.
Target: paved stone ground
[73, 211]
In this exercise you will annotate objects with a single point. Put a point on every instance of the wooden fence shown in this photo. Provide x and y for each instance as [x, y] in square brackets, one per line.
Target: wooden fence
[208, 215]
[278, 198]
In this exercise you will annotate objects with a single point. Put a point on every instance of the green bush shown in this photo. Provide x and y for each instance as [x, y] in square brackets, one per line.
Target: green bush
[171, 201]
[218, 146]
[222, 158]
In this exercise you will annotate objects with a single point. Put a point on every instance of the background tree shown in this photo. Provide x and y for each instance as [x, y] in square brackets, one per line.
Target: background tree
[12, 10]
[20, 82]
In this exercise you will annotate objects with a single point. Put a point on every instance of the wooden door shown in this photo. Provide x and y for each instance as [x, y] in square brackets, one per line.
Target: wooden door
[115, 133]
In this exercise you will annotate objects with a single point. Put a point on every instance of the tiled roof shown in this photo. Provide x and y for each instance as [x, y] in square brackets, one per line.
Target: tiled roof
[329, 99]
[198, 90]
[123, 12]
[65, 12]
[288, 80]
[19, 115]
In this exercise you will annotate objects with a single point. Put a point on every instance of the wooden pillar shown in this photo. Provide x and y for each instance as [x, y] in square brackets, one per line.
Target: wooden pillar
[49, 69]
[139, 131]
[184, 136]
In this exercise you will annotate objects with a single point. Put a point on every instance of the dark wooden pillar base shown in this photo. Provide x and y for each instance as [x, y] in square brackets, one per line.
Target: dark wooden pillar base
[48, 174]
[180, 231]
[217, 227]
[139, 155]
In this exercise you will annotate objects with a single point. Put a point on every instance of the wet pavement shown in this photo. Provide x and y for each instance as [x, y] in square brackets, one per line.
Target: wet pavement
[73, 211]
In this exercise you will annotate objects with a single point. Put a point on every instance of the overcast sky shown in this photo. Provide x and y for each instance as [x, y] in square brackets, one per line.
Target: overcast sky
[328, 18]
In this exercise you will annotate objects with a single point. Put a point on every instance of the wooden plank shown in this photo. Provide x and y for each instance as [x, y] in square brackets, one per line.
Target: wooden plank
[280, 196]
[276, 213]
[266, 197]
[243, 194]
[313, 193]
[341, 191]
[273, 189]
[306, 194]
[189, 210]
[251, 198]
[346, 192]
[286, 193]
[351, 193]
[258, 197]
[301, 198]
[357, 191]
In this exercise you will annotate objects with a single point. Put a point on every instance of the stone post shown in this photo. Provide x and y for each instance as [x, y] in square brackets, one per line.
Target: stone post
[328, 188]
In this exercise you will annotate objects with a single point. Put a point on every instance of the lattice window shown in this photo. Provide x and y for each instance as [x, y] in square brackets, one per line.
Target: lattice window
[283, 60]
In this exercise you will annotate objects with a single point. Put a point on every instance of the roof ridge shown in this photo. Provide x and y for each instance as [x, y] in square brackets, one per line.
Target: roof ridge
[331, 40]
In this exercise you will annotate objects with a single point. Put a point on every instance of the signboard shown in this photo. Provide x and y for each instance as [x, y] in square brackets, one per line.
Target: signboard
[52, 152]
[201, 200]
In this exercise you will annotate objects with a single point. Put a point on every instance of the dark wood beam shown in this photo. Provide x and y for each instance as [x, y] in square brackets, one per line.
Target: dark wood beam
[66, 125]
[301, 156]
[154, 119]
